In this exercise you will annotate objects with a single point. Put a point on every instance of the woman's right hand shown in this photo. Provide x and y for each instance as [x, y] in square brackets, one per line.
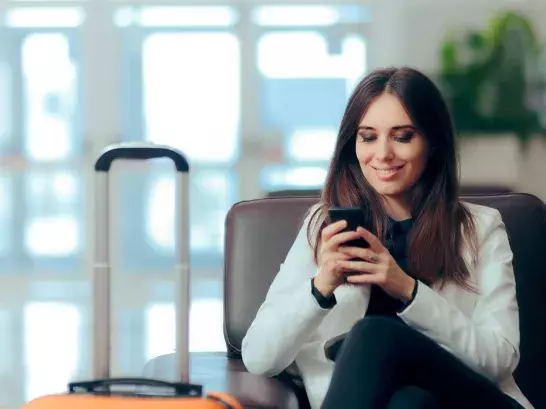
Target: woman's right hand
[331, 275]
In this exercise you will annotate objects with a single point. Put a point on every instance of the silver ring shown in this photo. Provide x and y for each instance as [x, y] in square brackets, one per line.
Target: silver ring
[374, 258]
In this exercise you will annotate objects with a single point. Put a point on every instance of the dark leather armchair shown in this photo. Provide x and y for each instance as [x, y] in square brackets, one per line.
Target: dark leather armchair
[258, 236]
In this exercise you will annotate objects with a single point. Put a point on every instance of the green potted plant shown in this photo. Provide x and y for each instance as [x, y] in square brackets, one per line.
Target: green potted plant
[490, 78]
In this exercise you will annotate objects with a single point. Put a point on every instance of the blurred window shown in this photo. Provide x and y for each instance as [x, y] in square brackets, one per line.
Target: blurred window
[307, 72]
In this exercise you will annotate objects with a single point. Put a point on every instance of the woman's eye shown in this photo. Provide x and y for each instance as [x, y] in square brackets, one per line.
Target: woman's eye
[405, 136]
[367, 138]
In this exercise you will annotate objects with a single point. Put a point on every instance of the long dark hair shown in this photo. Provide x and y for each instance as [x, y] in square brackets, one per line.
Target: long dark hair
[441, 223]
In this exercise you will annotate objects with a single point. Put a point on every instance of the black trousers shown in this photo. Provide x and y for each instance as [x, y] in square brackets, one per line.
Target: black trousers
[385, 364]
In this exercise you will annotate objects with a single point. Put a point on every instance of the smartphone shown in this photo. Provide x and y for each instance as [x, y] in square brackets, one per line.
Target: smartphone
[354, 218]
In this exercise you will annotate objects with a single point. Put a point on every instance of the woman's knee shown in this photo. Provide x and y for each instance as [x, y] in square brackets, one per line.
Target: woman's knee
[381, 339]
[379, 327]
[382, 335]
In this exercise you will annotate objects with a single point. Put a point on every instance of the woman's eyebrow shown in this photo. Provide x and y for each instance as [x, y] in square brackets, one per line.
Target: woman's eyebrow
[398, 127]
[365, 128]
[394, 128]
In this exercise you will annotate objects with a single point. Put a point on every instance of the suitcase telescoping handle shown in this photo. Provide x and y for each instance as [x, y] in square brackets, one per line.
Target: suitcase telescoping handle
[104, 385]
[101, 271]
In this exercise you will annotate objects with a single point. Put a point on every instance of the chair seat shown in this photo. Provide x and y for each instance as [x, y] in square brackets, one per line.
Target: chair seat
[216, 372]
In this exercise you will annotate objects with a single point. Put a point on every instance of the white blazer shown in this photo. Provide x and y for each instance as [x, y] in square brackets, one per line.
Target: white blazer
[482, 329]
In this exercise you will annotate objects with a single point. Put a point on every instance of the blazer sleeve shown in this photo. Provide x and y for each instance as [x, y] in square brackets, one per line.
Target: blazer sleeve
[289, 315]
[488, 340]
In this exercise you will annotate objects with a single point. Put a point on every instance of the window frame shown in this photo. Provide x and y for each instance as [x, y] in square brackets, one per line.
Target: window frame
[20, 165]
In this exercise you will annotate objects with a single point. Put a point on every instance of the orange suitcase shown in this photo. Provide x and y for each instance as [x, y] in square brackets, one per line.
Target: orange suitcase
[99, 395]
[137, 393]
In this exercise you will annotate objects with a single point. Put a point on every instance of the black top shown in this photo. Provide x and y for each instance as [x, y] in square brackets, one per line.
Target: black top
[380, 302]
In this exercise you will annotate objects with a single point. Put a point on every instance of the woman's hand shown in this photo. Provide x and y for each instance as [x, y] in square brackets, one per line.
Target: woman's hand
[377, 267]
[331, 271]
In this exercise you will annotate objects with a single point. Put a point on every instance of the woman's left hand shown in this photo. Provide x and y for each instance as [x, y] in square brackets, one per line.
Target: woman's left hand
[377, 266]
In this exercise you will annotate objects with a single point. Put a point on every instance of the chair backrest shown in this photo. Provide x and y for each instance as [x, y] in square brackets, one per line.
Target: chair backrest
[260, 232]
[466, 190]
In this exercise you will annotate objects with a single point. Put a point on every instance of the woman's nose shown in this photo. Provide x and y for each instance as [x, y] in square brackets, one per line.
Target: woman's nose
[384, 151]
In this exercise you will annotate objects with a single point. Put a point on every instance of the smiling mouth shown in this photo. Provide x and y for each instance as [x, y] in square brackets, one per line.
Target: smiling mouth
[387, 171]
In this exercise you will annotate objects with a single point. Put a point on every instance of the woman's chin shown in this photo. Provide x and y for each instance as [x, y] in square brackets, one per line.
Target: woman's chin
[389, 190]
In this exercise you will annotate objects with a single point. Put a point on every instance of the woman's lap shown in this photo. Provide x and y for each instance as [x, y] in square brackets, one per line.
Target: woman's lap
[382, 354]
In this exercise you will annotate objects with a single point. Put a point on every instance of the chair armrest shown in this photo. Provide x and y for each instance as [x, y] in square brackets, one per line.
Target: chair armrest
[218, 373]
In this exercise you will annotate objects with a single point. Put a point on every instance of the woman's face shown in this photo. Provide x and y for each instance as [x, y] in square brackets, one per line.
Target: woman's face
[391, 153]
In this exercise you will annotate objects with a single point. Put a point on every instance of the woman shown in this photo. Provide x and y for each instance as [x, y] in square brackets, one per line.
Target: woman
[426, 316]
